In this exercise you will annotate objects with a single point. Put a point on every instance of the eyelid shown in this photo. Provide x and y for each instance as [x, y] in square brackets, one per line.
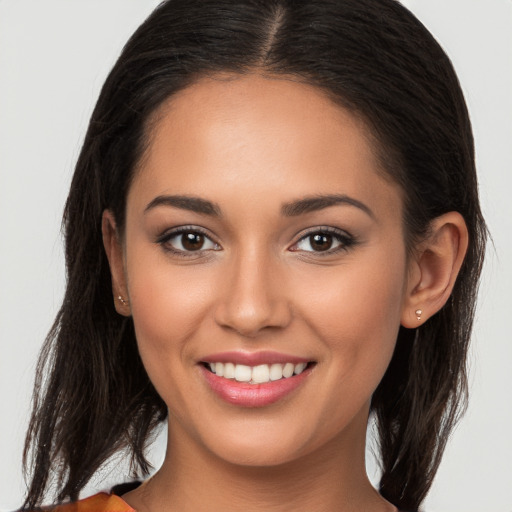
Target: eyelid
[346, 240]
[168, 234]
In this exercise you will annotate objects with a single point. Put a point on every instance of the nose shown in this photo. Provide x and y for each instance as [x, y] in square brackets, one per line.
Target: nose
[254, 296]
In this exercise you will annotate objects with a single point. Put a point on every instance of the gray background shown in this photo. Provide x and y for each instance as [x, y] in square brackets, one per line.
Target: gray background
[54, 56]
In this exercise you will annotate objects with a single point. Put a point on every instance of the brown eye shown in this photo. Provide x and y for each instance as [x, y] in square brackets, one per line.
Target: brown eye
[192, 241]
[187, 241]
[326, 240]
[320, 242]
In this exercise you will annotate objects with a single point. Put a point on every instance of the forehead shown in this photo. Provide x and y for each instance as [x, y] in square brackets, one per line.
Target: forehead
[258, 135]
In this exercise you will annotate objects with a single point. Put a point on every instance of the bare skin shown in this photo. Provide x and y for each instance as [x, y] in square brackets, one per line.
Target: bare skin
[252, 152]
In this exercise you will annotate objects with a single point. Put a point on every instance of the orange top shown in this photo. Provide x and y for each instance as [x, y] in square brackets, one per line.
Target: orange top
[101, 502]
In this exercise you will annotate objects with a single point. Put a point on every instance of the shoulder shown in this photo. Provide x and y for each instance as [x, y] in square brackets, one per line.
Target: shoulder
[101, 502]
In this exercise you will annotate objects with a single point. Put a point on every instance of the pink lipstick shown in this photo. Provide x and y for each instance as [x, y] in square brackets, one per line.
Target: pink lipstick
[254, 379]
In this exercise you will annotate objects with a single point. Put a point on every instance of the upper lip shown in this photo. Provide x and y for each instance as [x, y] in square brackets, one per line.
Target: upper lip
[253, 358]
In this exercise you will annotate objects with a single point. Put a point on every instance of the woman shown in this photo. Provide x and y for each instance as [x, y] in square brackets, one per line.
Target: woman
[273, 231]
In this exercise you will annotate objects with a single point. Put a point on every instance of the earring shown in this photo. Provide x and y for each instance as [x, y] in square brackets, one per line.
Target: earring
[418, 313]
[123, 301]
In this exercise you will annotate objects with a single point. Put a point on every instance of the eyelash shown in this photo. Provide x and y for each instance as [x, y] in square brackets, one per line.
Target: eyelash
[164, 239]
[345, 240]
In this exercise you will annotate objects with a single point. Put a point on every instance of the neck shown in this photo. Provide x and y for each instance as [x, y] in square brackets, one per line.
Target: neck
[193, 478]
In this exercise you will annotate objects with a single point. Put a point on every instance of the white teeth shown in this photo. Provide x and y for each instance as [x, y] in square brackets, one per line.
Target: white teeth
[288, 370]
[258, 374]
[261, 374]
[229, 370]
[276, 372]
[243, 373]
[299, 368]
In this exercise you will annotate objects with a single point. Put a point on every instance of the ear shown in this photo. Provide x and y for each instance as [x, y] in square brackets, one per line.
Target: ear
[434, 268]
[115, 256]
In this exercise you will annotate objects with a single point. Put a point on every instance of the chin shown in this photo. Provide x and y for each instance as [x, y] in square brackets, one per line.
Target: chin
[256, 454]
[267, 442]
[251, 442]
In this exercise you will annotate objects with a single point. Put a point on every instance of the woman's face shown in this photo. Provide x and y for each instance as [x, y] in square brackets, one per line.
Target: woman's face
[261, 234]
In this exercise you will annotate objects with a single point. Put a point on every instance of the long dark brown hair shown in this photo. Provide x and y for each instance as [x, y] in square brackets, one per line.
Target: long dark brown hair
[93, 397]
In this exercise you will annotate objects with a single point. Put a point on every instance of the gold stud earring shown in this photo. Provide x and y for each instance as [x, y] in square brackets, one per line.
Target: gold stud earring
[123, 301]
[418, 313]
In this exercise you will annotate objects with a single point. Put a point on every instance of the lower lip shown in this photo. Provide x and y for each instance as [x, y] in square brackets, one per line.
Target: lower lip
[244, 394]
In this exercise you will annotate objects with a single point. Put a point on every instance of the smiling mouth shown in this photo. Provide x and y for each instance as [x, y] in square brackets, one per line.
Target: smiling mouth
[260, 374]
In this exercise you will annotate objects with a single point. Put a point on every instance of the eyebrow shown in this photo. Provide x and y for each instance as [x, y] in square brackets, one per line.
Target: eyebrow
[193, 204]
[292, 209]
[315, 203]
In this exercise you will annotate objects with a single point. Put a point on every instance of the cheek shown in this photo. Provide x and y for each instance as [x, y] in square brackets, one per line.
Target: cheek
[361, 302]
[168, 304]
[355, 313]
[355, 310]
